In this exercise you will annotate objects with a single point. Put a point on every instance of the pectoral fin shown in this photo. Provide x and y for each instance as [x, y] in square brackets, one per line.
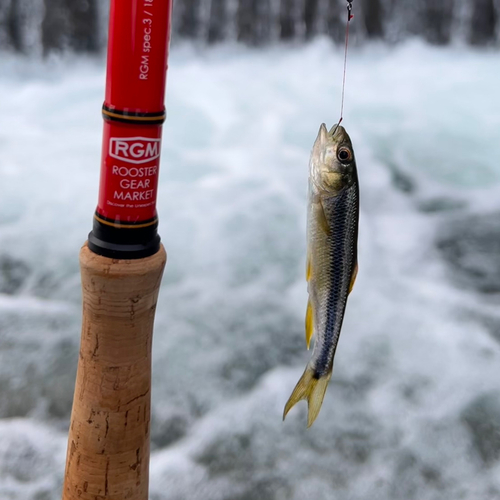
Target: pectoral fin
[353, 278]
[322, 220]
[309, 323]
[308, 267]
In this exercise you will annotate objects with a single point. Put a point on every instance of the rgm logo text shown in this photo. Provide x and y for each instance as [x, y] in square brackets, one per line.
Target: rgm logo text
[134, 149]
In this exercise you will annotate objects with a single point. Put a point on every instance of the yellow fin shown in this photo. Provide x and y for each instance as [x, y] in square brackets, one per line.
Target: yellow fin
[308, 267]
[353, 279]
[322, 220]
[311, 388]
[309, 323]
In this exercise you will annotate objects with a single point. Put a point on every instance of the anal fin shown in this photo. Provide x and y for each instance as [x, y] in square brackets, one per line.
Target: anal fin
[353, 278]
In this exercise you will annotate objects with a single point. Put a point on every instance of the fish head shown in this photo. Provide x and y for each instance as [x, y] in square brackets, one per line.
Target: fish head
[332, 167]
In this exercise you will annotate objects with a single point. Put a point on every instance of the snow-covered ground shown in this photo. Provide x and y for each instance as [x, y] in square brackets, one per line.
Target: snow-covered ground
[413, 408]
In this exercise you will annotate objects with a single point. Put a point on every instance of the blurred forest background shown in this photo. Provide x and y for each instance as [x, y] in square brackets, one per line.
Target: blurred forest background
[42, 26]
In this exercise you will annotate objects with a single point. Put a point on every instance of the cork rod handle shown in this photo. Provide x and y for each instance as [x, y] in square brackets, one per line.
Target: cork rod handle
[108, 443]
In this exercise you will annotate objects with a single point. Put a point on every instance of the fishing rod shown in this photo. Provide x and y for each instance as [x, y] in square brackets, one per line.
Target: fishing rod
[121, 266]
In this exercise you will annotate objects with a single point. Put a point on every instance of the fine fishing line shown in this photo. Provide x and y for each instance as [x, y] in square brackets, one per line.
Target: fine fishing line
[349, 17]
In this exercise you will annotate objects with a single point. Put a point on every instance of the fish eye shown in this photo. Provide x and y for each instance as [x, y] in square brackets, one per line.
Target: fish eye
[344, 155]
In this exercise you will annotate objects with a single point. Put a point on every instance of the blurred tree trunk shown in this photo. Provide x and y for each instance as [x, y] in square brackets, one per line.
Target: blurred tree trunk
[483, 22]
[336, 16]
[217, 21]
[70, 24]
[263, 25]
[189, 18]
[55, 25]
[437, 21]
[253, 21]
[247, 10]
[13, 25]
[310, 17]
[372, 17]
[84, 24]
[287, 19]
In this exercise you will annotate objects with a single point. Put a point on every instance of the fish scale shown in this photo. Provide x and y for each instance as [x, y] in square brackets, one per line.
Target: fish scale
[339, 274]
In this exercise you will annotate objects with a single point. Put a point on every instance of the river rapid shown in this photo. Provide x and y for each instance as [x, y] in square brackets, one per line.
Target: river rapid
[413, 408]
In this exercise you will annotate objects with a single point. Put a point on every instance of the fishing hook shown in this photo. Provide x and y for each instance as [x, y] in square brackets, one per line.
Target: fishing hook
[349, 10]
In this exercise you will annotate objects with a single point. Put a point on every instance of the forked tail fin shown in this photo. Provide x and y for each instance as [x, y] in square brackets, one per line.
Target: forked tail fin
[311, 388]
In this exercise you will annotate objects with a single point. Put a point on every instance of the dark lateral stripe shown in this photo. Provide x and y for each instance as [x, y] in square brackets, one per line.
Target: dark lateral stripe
[131, 117]
[342, 236]
[124, 224]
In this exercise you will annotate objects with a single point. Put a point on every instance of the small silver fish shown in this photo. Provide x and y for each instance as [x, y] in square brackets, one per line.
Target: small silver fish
[332, 237]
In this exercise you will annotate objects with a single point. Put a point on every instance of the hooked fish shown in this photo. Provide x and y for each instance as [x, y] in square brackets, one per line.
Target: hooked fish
[332, 235]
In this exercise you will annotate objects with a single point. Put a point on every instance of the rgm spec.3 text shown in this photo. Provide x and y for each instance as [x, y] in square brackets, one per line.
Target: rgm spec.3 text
[147, 22]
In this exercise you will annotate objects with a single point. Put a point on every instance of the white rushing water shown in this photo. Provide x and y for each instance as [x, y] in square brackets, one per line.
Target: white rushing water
[413, 407]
